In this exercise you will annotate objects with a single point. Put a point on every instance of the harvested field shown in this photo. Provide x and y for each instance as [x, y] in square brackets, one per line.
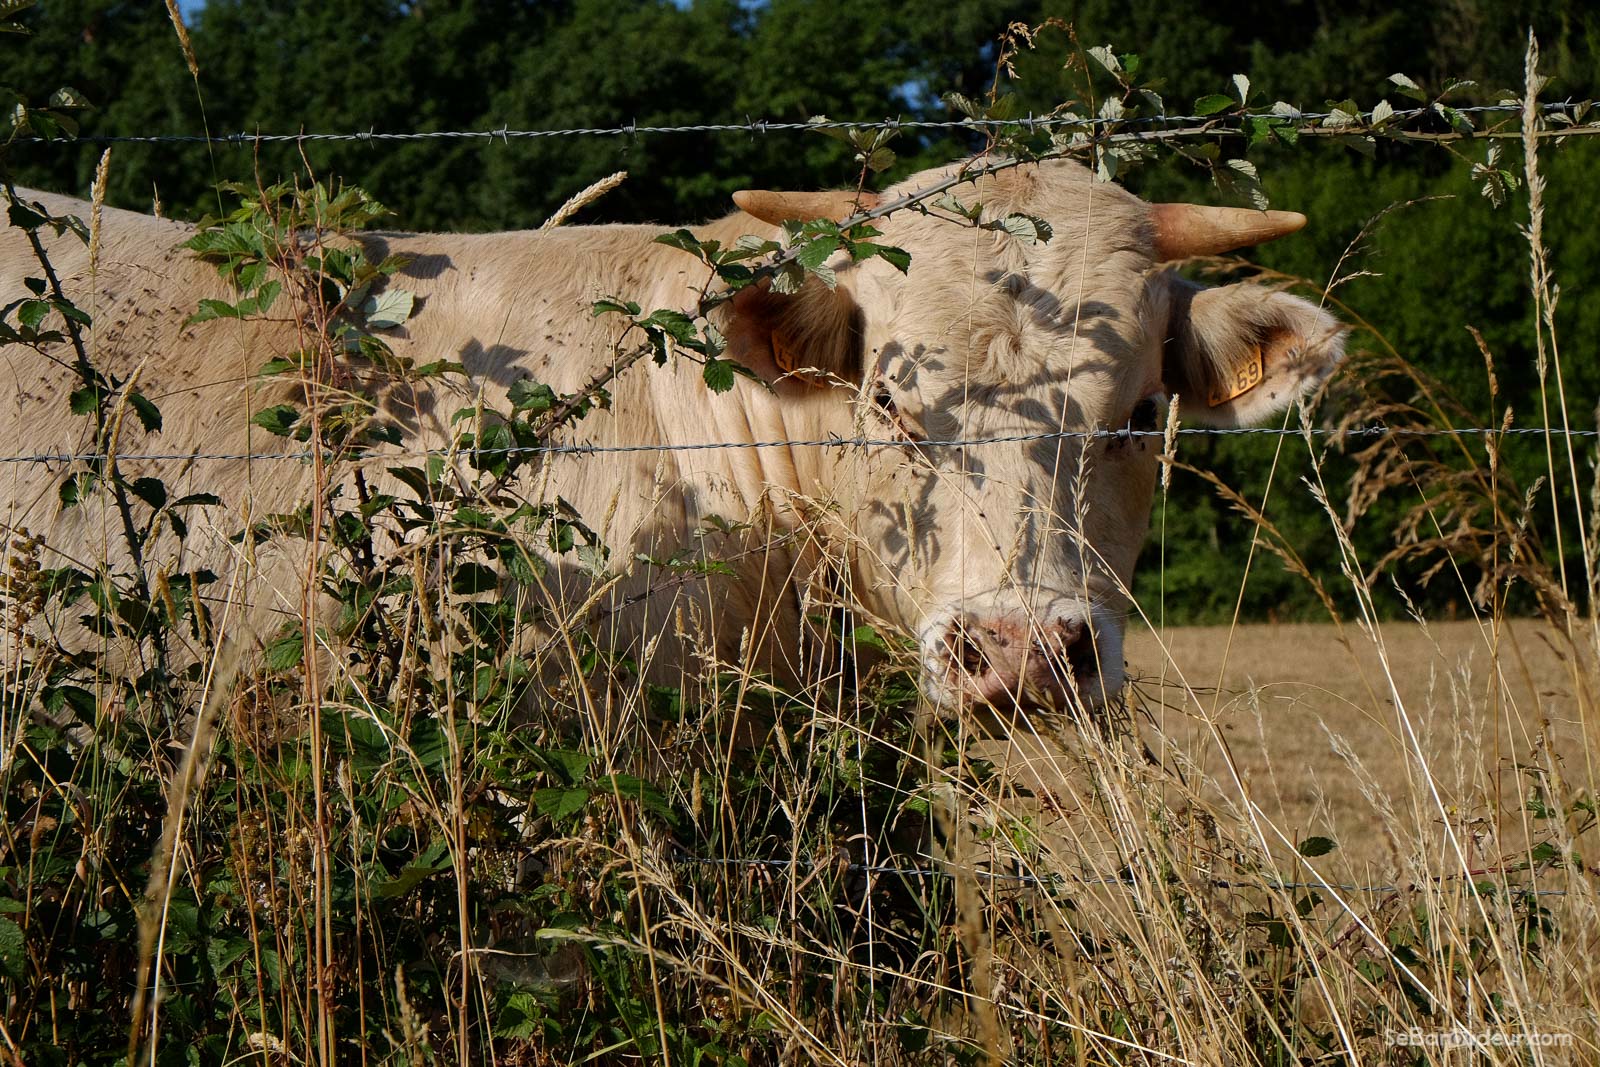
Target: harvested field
[1293, 705]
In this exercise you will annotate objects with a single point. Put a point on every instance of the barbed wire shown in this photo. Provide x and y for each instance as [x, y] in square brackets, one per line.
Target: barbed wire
[913, 444]
[1049, 881]
[1196, 126]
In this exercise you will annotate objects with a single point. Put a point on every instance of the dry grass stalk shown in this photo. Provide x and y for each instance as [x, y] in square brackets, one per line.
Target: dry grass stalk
[176, 15]
[583, 198]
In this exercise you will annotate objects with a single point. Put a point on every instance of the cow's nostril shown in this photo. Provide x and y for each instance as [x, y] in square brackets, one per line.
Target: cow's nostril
[1070, 643]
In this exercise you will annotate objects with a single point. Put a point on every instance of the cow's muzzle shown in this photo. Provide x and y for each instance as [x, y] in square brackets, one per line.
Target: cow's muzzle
[1057, 660]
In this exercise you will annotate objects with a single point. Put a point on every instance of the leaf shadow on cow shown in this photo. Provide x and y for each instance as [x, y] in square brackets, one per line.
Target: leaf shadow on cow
[1006, 561]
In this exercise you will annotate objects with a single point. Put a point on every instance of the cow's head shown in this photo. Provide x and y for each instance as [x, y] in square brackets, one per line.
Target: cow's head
[1011, 560]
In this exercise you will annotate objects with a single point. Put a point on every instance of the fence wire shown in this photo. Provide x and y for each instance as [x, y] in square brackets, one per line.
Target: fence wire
[1050, 881]
[1160, 127]
[907, 443]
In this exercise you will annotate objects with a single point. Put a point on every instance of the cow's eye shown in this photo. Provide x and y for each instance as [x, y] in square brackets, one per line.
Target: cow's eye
[1144, 415]
[883, 400]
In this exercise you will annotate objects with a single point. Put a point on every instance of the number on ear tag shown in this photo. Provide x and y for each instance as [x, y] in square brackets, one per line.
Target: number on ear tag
[1246, 376]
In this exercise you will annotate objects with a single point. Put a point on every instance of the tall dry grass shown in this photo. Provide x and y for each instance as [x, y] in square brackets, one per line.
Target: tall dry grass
[389, 861]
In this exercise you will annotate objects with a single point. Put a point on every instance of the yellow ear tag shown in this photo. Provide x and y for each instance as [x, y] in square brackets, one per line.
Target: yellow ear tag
[1246, 376]
[786, 361]
[782, 356]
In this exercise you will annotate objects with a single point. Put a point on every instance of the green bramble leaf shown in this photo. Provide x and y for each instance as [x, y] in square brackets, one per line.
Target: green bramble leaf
[684, 240]
[24, 218]
[149, 415]
[84, 400]
[32, 312]
[214, 309]
[817, 251]
[1406, 87]
[68, 97]
[1029, 229]
[279, 419]
[530, 396]
[1238, 179]
[719, 375]
[617, 307]
[1105, 56]
[1213, 104]
[388, 309]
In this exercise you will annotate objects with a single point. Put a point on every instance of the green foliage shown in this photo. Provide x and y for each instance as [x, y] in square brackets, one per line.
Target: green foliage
[465, 799]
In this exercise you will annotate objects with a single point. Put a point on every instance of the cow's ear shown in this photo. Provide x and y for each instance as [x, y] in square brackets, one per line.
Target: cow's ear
[1239, 354]
[811, 337]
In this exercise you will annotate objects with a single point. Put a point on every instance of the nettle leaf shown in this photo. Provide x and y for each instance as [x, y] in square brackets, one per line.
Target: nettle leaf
[13, 950]
[285, 652]
[273, 367]
[431, 861]
[558, 803]
[388, 309]
[438, 369]
[632, 787]
[279, 419]
[1317, 846]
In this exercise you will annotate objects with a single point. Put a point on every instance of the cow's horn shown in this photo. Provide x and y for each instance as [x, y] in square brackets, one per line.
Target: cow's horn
[778, 206]
[1184, 230]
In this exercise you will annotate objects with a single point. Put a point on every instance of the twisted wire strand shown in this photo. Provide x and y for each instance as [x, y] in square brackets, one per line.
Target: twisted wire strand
[822, 442]
[1209, 126]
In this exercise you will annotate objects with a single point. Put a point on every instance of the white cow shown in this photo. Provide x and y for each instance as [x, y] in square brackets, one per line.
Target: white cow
[1008, 558]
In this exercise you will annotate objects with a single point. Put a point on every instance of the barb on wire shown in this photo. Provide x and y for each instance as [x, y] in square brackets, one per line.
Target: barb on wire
[1163, 127]
[827, 442]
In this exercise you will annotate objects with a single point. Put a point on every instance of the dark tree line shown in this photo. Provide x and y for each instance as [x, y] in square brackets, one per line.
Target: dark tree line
[1434, 267]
